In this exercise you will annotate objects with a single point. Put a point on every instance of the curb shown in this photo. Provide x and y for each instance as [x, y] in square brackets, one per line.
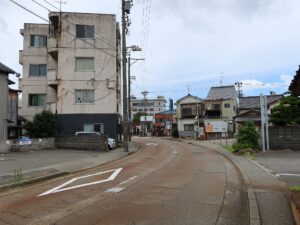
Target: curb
[33, 180]
[63, 173]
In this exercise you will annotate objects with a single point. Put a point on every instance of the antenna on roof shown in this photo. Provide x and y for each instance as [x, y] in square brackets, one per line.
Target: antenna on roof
[188, 87]
[221, 78]
[60, 3]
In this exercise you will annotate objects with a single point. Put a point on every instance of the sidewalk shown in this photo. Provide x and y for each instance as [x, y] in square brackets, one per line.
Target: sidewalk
[269, 199]
[21, 168]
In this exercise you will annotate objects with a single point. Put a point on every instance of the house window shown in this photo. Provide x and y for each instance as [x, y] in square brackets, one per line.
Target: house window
[188, 127]
[37, 70]
[38, 41]
[227, 105]
[37, 99]
[94, 127]
[84, 96]
[84, 64]
[216, 107]
[85, 31]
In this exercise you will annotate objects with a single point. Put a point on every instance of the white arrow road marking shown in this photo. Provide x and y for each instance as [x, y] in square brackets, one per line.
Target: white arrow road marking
[60, 187]
[152, 144]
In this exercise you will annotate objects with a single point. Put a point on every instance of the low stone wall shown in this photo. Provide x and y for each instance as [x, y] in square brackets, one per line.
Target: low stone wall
[287, 137]
[37, 144]
[91, 143]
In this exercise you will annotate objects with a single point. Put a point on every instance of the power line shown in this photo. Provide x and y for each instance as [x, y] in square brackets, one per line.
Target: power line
[42, 5]
[51, 4]
[28, 10]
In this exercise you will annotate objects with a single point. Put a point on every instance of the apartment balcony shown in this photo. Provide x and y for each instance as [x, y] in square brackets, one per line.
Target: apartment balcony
[21, 57]
[52, 79]
[53, 47]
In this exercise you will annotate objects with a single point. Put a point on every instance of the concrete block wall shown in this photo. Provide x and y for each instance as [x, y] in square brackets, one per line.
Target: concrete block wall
[287, 137]
[97, 143]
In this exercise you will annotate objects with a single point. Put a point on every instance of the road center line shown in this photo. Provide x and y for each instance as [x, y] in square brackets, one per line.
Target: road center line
[288, 174]
[131, 178]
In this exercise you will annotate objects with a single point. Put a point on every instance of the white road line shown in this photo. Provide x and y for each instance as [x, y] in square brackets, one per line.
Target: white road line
[115, 190]
[288, 174]
[175, 152]
[152, 144]
[60, 187]
[131, 178]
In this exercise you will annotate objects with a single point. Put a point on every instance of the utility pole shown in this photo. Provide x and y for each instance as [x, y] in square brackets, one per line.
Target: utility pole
[126, 5]
[264, 123]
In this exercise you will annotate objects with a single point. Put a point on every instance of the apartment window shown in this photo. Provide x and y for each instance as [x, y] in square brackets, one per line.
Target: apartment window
[188, 127]
[94, 127]
[227, 105]
[38, 41]
[37, 100]
[37, 70]
[151, 109]
[84, 96]
[85, 31]
[84, 64]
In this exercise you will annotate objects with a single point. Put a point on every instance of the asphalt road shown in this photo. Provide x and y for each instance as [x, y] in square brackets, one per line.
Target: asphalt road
[284, 164]
[164, 183]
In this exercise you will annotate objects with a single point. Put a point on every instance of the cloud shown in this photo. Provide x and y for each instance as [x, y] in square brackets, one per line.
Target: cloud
[253, 84]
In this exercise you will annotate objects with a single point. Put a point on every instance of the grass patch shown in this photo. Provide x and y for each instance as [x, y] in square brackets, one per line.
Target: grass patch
[230, 148]
[294, 188]
[249, 155]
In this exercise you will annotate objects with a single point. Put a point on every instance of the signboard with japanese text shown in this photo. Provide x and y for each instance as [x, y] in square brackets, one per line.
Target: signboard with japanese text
[216, 127]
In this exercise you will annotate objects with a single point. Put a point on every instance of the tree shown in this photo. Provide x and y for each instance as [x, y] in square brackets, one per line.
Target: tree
[137, 117]
[43, 125]
[287, 112]
[247, 137]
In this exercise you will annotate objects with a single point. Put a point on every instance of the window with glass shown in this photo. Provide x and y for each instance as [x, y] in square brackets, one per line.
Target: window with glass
[94, 127]
[38, 41]
[37, 99]
[216, 106]
[38, 70]
[85, 31]
[84, 96]
[227, 105]
[188, 127]
[84, 64]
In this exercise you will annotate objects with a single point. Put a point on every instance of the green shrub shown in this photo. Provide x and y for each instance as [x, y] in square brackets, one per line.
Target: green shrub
[247, 137]
[43, 125]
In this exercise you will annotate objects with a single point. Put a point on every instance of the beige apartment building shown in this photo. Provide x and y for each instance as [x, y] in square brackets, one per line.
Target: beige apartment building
[71, 66]
[151, 106]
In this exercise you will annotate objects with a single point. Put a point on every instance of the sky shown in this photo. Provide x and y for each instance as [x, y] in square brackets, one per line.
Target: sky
[188, 45]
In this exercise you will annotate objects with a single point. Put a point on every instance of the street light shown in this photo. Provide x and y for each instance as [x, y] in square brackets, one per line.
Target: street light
[145, 93]
[133, 48]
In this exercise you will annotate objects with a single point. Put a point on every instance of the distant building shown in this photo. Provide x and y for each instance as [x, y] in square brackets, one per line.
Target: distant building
[9, 105]
[163, 123]
[149, 106]
[295, 84]
[71, 66]
[189, 113]
[249, 109]
[221, 107]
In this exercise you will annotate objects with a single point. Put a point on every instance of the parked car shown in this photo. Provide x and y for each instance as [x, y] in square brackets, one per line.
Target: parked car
[22, 140]
[111, 141]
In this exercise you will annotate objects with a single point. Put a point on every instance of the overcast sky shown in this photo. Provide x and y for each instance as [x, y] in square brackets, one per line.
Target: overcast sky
[190, 43]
